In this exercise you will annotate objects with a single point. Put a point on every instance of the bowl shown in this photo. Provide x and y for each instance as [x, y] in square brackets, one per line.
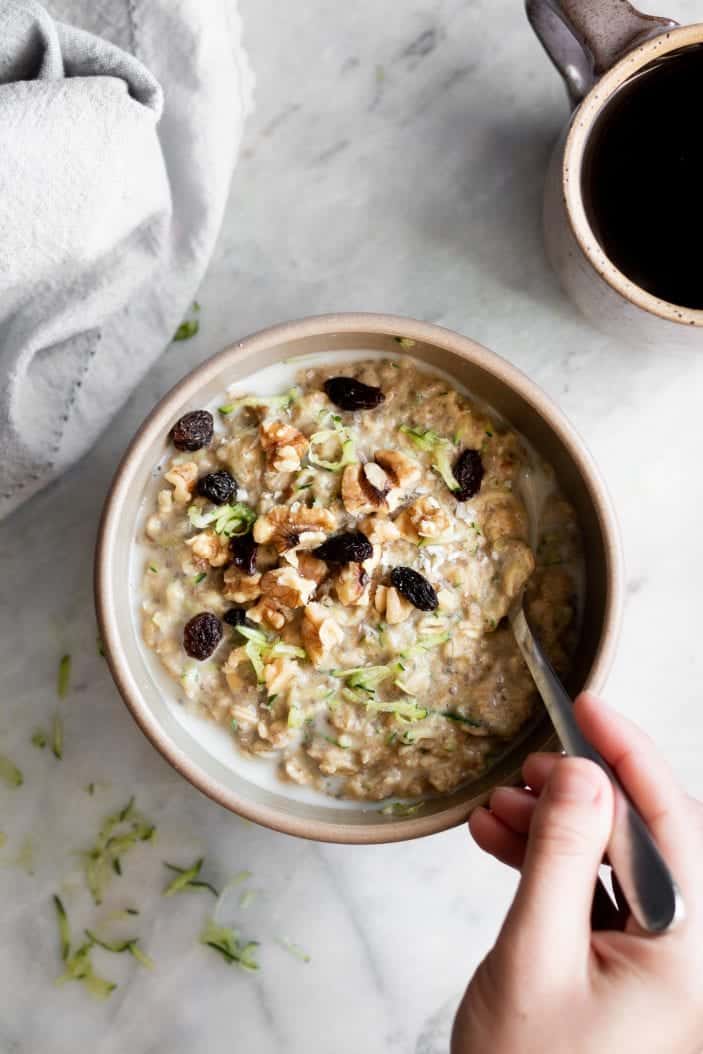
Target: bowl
[485, 375]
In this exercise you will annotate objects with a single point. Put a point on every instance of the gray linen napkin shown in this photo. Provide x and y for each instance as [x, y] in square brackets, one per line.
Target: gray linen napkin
[116, 153]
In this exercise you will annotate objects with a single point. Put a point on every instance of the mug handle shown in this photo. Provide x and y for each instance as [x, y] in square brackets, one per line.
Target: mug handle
[584, 38]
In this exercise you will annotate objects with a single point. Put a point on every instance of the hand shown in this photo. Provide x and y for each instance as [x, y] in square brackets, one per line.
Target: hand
[551, 985]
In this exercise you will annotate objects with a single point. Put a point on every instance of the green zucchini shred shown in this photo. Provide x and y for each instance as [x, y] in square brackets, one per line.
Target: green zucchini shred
[228, 943]
[293, 949]
[9, 773]
[63, 677]
[187, 878]
[111, 844]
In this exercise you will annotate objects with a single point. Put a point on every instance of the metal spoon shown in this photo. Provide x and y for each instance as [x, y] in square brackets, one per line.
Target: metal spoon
[646, 881]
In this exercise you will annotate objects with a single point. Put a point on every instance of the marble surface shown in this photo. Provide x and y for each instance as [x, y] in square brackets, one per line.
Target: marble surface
[394, 163]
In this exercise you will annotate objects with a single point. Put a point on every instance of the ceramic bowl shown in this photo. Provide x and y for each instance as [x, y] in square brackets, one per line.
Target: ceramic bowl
[485, 375]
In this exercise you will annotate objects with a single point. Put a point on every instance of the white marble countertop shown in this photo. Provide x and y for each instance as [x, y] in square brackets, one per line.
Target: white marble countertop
[394, 163]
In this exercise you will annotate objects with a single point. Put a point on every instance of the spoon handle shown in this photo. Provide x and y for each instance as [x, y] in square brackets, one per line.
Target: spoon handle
[645, 879]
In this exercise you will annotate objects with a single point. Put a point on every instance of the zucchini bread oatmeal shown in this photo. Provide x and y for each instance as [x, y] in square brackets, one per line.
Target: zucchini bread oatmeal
[329, 570]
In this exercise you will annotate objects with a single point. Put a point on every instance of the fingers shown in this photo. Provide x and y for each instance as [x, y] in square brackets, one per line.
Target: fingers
[536, 769]
[549, 921]
[514, 807]
[647, 779]
[496, 838]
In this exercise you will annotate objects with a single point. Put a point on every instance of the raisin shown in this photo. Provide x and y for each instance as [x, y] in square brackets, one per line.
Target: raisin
[346, 548]
[237, 617]
[193, 431]
[201, 635]
[468, 472]
[350, 394]
[415, 588]
[243, 551]
[218, 487]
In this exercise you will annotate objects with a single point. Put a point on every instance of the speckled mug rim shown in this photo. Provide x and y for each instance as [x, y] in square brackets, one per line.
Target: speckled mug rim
[157, 424]
[582, 125]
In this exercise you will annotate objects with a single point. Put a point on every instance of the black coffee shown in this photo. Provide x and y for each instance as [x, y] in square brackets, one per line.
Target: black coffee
[643, 178]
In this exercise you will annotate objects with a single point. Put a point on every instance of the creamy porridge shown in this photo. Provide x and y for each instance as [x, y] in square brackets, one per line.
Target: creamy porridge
[328, 571]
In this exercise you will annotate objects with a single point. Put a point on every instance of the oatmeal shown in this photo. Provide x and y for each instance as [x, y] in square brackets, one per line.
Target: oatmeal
[328, 573]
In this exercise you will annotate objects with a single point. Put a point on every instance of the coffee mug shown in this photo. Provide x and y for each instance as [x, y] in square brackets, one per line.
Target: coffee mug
[599, 46]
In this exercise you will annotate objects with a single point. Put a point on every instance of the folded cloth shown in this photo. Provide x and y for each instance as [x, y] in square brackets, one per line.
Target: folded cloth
[116, 152]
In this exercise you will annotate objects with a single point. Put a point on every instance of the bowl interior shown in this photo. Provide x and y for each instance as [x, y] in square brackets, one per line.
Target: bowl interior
[486, 376]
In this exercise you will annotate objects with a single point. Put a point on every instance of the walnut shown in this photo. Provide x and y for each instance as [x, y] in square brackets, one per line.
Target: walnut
[379, 530]
[271, 611]
[230, 669]
[423, 518]
[310, 567]
[183, 477]
[404, 471]
[284, 445]
[211, 547]
[351, 585]
[390, 603]
[358, 495]
[288, 587]
[279, 675]
[240, 587]
[319, 632]
[292, 526]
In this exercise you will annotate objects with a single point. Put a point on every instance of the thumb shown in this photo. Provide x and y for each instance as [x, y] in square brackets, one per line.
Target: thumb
[550, 916]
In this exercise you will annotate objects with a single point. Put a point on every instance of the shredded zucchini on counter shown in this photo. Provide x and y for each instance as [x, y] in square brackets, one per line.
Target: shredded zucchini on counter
[228, 943]
[119, 833]
[187, 878]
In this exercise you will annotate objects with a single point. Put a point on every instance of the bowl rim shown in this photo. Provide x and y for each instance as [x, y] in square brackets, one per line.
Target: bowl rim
[368, 324]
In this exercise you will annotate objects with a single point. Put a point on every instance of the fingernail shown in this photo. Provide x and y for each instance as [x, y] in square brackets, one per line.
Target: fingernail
[574, 782]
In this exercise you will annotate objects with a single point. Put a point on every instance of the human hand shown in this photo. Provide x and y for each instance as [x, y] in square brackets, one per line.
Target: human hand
[551, 983]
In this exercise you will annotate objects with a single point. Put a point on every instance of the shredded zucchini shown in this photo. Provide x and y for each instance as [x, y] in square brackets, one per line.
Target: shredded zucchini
[228, 943]
[130, 945]
[187, 878]
[39, 738]
[187, 329]
[441, 451]
[57, 736]
[64, 928]
[231, 519]
[119, 833]
[64, 676]
[78, 965]
[247, 898]
[346, 443]
[273, 402]
[293, 949]
[9, 773]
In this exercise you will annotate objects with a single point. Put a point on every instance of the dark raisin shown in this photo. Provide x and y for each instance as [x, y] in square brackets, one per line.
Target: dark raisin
[346, 548]
[201, 635]
[236, 617]
[193, 431]
[415, 588]
[468, 472]
[218, 487]
[243, 550]
[350, 394]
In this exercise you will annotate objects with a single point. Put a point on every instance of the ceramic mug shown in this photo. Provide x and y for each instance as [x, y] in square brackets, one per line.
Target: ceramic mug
[598, 45]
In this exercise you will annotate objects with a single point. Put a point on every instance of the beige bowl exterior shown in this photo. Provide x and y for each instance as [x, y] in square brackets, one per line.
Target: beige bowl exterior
[491, 378]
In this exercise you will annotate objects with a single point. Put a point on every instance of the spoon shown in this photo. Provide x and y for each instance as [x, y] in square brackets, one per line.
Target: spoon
[645, 879]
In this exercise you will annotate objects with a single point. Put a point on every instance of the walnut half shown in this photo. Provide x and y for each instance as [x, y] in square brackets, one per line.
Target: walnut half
[283, 445]
[183, 477]
[290, 526]
[319, 632]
